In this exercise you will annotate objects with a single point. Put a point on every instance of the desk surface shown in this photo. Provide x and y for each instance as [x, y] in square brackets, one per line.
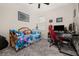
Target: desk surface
[75, 34]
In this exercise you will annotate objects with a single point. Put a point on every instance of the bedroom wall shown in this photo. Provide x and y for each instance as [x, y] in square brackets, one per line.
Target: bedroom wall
[77, 18]
[64, 11]
[8, 17]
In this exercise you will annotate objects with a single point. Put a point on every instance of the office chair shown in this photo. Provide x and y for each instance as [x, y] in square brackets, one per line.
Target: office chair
[54, 40]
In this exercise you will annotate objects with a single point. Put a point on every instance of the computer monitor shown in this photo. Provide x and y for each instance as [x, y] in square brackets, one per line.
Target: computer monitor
[59, 28]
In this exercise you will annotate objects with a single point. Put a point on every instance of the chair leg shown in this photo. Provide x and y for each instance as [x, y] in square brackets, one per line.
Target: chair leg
[58, 44]
[51, 44]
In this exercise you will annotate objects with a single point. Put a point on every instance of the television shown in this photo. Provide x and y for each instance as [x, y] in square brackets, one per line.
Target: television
[59, 28]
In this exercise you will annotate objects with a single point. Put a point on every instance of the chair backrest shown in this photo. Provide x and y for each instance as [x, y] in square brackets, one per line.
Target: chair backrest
[52, 33]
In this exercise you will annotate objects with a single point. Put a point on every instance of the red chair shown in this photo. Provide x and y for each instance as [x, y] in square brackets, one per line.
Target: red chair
[52, 33]
[54, 39]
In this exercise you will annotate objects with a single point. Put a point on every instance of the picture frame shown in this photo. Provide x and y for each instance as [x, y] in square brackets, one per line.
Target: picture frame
[23, 16]
[50, 20]
[59, 19]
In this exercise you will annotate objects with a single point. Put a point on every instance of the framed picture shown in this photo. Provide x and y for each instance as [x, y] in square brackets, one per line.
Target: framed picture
[23, 16]
[59, 19]
[50, 20]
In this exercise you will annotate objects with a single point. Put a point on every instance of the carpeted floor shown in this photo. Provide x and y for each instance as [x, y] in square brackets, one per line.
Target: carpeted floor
[38, 49]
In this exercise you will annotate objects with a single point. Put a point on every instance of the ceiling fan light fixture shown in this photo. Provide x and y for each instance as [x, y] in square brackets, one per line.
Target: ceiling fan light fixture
[47, 3]
[39, 5]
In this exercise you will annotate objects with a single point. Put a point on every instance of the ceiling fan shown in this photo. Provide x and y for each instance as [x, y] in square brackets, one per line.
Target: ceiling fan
[39, 4]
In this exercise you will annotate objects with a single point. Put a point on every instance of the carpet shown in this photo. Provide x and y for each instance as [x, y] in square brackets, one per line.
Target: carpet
[40, 48]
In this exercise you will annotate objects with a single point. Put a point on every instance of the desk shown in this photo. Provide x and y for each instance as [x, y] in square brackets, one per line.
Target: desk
[66, 36]
[75, 40]
[71, 42]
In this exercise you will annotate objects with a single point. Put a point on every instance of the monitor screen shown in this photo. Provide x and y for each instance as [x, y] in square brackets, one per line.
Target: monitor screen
[59, 28]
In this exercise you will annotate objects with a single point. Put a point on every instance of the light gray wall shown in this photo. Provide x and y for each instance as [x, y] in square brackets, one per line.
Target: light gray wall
[8, 17]
[77, 18]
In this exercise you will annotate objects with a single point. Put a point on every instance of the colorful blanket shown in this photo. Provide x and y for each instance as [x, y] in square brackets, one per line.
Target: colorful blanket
[25, 40]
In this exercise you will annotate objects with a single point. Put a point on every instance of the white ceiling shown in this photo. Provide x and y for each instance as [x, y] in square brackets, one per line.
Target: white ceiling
[45, 7]
[34, 6]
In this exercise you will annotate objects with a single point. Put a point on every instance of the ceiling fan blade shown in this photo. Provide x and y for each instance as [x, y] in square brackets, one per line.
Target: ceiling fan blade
[30, 3]
[47, 3]
[39, 5]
